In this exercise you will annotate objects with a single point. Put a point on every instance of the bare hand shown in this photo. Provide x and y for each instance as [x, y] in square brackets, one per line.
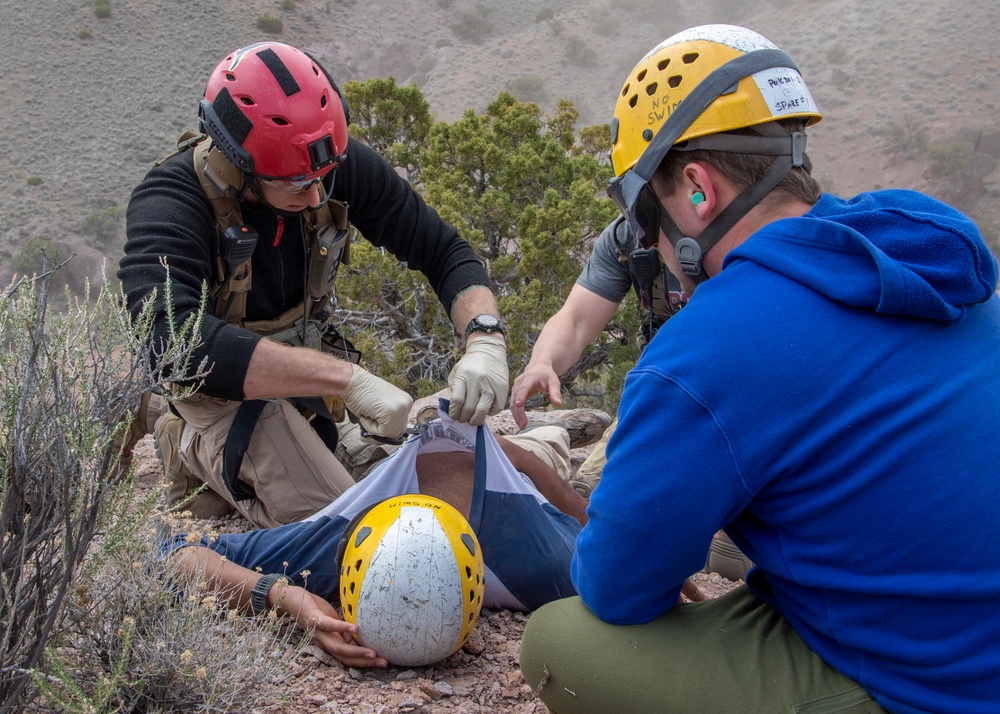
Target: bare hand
[320, 618]
[690, 592]
[534, 379]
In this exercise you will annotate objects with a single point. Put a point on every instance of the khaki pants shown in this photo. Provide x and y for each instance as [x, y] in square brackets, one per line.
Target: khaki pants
[732, 654]
[291, 469]
[590, 470]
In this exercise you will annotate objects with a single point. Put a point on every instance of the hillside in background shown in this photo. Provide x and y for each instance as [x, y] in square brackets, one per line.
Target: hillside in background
[909, 90]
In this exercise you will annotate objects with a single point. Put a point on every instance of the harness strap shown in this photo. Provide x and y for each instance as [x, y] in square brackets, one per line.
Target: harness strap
[237, 442]
[241, 431]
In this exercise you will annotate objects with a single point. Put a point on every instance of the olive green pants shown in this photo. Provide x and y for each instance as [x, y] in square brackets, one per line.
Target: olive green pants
[732, 654]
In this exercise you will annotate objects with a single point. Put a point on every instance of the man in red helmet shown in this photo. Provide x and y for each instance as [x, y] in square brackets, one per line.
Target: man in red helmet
[267, 190]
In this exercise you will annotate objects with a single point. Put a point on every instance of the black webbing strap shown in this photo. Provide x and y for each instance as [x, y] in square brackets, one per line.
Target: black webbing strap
[241, 431]
[237, 442]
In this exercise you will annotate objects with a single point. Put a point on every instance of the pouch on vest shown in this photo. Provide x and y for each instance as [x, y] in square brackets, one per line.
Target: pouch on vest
[325, 259]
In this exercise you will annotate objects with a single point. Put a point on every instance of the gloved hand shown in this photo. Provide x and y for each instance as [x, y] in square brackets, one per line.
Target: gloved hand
[382, 408]
[479, 380]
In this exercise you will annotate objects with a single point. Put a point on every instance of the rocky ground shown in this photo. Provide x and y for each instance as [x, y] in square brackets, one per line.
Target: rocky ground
[481, 678]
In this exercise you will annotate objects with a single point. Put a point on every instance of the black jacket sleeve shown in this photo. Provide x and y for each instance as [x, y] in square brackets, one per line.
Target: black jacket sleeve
[170, 218]
[391, 214]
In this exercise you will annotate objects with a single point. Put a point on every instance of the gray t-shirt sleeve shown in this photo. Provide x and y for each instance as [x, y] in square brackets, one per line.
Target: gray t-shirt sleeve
[604, 274]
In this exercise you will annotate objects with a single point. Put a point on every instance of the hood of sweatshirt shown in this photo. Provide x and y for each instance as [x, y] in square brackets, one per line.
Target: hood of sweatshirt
[896, 252]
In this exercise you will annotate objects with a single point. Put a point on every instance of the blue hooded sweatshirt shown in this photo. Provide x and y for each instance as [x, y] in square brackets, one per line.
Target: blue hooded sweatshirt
[832, 399]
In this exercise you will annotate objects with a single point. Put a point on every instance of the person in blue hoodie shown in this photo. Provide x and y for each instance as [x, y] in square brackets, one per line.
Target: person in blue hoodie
[830, 398]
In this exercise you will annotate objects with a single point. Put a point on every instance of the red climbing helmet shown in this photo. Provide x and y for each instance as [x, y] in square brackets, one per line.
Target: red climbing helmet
[275, 113]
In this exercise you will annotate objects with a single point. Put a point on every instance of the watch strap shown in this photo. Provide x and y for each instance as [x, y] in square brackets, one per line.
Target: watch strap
[258, 596]
[477, 325]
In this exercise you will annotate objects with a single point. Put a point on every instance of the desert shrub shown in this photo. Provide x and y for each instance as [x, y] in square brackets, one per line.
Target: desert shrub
[36, 257]
[528, 88]
[104, 228]
[444, 42]
[544, 14]
[949, 159]
[271, 24]
[472, 26]
[102, 8]
[83, 33]
[87, 612]
[445, 4]
[579, 52]
[287, 4]
[908, 137]
[35, 180]
[146, 637]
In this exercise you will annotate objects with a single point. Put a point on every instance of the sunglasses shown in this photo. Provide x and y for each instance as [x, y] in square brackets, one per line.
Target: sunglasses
[643, 210]
[290, 186]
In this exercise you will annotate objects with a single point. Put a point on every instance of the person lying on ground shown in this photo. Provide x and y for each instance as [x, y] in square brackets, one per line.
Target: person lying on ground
[530, 520]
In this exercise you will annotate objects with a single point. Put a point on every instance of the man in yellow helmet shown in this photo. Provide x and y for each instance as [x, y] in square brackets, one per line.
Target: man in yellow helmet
[821, 397]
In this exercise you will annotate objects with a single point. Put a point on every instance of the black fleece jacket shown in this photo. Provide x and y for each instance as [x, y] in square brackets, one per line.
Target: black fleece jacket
[169, 216]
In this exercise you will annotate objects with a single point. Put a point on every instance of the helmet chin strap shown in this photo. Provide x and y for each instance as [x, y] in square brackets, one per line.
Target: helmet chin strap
[789, 152]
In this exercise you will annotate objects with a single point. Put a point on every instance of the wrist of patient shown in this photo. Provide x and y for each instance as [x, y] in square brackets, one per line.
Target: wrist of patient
[267, 592]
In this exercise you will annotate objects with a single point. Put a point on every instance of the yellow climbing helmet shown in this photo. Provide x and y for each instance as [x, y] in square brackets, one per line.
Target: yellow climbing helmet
[412, 579]
[672, 70]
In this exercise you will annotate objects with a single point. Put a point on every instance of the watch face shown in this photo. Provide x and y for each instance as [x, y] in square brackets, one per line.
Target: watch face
[488, 321]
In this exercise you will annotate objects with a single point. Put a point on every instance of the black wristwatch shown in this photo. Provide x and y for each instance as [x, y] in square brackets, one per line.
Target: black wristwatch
[258, 596]
[484, 323]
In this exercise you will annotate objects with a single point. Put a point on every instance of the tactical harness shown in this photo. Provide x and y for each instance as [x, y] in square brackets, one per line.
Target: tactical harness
[307, 324]
[660, 293]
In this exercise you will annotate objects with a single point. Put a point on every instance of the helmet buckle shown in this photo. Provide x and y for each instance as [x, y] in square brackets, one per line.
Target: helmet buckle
[798, 148]
[689, 254]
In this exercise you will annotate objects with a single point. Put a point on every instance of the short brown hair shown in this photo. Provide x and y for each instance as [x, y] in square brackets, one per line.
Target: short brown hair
[746, 169]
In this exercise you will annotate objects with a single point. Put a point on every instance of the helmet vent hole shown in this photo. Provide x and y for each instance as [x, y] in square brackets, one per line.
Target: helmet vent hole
[322, 102]
[641, 76]
[689, 58]
[247, 100]
[633, 101]
[468, 572]
[651, 89]
[230, 77]
[280, 121]
[662, 64]
[625, 89]
[674, 81]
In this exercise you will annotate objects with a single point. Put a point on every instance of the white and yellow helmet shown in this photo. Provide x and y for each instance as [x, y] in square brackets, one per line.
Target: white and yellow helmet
[675, 67]
[692, 92]
[412, 579]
